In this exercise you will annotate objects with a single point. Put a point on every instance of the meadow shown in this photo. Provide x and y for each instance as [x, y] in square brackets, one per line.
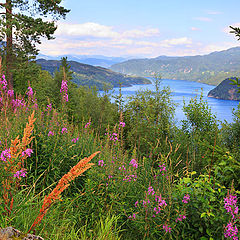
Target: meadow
[116, 171]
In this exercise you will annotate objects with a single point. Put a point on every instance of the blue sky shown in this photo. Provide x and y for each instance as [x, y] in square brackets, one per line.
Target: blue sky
[145, 28]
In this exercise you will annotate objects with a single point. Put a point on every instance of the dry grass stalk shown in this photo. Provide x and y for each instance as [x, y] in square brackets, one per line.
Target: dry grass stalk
[63, 183]
[13, 164]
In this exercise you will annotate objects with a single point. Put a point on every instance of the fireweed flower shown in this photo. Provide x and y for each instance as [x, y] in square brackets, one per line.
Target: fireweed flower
[64, 89]
[3, 82]
[186, 198]
[27, 152]
[136, 203]
[30, 92]
[50, 133]
[129, 178]
[64, 130]
[49, 107]
[132, 217]
[167, 228]
[101, 163]
[21, 173]
[162, 169]
[151, 191]
[88, 124]
[10, 93]
[75, 140]
[230, 204]
[5, 154]
[134, 163]
[231, 231]
[180, 218]
[122, 124]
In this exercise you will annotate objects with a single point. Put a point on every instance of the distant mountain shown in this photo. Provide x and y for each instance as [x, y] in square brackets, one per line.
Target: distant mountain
[225, 90]
[211, 68]
[90, 75]
[95, 60]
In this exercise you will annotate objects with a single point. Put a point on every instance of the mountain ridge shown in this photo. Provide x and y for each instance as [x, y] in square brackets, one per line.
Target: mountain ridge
[211, 68]
[88, 75]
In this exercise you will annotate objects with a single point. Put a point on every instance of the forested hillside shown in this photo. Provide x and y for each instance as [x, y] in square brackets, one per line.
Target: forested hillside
[211, 69]
[87, 75]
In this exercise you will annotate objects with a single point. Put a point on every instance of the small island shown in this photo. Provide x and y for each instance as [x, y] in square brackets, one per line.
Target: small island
[226, 91]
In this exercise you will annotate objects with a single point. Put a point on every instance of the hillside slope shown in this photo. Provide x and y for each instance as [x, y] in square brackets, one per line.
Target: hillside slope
[225, 90]
[212, 68]
[84, 74]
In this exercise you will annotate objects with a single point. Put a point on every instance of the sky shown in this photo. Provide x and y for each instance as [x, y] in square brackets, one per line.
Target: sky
[145, 28]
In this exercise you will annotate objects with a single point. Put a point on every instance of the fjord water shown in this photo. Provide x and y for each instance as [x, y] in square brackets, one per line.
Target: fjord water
[186, 90]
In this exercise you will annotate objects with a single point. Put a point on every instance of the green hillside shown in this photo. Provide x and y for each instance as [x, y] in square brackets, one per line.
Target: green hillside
[212, 68]
[225, 90]
[88, 75]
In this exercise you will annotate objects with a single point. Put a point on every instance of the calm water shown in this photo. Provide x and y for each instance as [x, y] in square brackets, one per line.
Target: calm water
[187, 90]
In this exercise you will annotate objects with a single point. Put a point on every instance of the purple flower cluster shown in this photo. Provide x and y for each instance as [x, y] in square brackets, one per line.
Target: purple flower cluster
[132, 216]
[231, 231]
[49, 107]
[230, 204]
[64, 130]
[21, 173]
[3, 82]
[50, 133]
[101, 163]
[134, 163]
[162, 169]
[5, 154]
[18, 103]
[151, 191]
[129, 178]
[30, 92]
[27, 152]
[180, 218]
[88, 124]
[167, 228]
[186, 198]
[64, 90]
[122, 124]
[10, 93]
[75, 140]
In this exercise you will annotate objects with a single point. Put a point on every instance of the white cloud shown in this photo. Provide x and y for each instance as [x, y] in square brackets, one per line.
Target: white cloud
[91, 29]
[86, 29]
[176, 41]
[203, 19]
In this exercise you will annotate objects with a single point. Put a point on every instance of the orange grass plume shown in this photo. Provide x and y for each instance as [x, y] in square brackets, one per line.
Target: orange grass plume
[63, 183]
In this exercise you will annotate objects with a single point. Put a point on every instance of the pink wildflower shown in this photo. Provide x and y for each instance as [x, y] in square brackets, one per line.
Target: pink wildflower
[186, 198]
[64, 89]
[5, 154]
[64, 130]
[50, 133]
[134, 163]
[21, 173]
[167, 228]
[27, 152]
[10, 93]
[30, 92]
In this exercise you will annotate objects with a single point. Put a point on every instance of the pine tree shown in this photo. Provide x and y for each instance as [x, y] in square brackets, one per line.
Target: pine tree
[22, 26]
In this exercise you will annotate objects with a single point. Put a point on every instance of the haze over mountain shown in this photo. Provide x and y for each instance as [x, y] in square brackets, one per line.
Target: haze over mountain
[84, 74]
[95, 60]
[211, 68]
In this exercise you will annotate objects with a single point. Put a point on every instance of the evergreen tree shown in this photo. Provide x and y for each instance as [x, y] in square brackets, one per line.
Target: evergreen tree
[21, 30]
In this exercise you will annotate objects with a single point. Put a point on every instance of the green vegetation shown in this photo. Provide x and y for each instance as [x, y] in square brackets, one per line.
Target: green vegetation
[87, 75]
[211, 69]
[74, 165]
[151, 179]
